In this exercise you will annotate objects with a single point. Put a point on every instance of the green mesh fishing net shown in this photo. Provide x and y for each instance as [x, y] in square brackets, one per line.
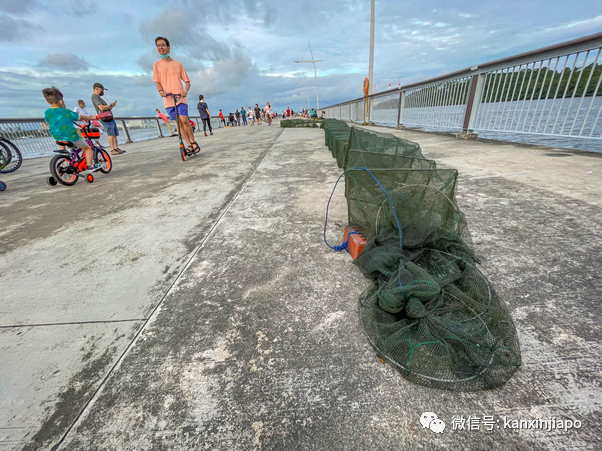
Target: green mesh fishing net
[429, 310]
[293, 123]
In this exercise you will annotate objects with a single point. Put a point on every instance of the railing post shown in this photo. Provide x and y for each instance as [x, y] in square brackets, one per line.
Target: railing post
[127, 133]
[472, 106]
[159, 128]
[402, 103]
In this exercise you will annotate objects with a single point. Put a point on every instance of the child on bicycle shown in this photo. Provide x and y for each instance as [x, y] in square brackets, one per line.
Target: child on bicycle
[60, 121]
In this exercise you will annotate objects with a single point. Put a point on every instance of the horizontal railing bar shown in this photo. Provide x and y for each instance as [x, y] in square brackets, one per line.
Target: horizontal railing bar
[117, 118]
[540, 134]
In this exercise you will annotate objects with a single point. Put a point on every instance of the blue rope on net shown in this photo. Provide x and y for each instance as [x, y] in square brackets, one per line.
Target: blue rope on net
[343, 246]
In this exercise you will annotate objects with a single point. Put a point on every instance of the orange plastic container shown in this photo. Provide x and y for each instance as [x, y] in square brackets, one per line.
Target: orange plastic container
[356, 242]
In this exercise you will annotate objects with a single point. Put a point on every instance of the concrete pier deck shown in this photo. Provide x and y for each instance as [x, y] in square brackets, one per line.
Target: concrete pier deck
[194, 305]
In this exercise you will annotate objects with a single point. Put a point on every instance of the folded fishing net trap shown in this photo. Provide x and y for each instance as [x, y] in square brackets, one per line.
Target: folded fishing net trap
[428, 310]
[296, 123]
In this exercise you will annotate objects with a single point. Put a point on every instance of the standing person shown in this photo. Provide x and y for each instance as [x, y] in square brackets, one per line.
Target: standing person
[288, 112]
[243, 113]
[258, 114]
[237, 114]
[251, 116]
[165, 121]
[268, 113]
[222, 118]
[168, 75]
[81, 109]
[110, 125]
[205, 114]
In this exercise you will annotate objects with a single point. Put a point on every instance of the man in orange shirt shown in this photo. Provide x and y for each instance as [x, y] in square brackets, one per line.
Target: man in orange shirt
[168, 75]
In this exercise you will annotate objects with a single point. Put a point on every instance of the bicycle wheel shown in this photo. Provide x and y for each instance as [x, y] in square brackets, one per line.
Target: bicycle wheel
[5, 157]
[59, 166]
[103, 158]
[16, 157]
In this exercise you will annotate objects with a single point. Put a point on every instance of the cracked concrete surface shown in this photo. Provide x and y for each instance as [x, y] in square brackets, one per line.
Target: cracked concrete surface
[258, 346]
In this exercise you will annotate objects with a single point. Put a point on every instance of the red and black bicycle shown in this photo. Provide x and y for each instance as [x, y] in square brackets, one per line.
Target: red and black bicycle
[70, 163]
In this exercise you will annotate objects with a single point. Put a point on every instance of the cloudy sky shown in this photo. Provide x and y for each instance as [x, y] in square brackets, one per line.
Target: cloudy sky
[241, 52]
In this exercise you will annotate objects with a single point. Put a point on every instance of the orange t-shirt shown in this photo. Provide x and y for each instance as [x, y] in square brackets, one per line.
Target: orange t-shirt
[170, 74]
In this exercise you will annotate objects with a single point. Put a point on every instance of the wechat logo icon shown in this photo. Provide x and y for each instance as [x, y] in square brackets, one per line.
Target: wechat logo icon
[430, 420]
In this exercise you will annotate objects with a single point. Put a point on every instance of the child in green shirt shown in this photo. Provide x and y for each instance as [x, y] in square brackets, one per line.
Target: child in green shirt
[60, 121]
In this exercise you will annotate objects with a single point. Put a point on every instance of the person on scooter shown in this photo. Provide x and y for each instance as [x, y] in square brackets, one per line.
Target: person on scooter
[60, 121]
[168, 75]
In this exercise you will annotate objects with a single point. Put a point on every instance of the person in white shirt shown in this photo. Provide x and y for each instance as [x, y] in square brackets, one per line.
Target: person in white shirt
[251, 116]
[81, 109]
[268, 113]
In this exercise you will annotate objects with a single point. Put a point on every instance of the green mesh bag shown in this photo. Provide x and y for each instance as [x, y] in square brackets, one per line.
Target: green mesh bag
[297, 123]
[377, 160]
[428, 310]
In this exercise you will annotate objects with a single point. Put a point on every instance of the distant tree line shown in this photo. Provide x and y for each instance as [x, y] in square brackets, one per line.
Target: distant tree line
[526, 84]
[543, 82]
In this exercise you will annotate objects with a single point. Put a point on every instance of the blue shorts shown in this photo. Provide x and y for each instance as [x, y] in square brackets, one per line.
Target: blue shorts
[182, 111]
[111, 128]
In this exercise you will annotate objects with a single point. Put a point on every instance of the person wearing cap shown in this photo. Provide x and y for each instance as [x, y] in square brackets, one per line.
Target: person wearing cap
[111, 126]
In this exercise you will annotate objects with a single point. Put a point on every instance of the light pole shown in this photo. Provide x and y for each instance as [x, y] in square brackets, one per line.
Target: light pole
[313, 61]
[371, 65]
[306, 95]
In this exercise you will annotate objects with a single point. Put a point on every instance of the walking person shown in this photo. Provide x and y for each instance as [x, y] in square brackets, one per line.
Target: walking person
[165, 120]
[168, 75]
[268, 113]
[108, 122]
[243, 113]
[205, 114]
[258, 114]
[237, 117]
[251, 116]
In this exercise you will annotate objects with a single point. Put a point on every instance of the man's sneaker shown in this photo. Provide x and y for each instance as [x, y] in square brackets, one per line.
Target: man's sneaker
[206, 133]
[210, 133]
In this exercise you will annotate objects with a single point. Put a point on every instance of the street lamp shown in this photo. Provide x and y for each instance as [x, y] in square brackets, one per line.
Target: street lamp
[313, 61]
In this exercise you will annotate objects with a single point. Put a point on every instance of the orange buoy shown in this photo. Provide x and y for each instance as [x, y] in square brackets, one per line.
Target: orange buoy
[366, 86]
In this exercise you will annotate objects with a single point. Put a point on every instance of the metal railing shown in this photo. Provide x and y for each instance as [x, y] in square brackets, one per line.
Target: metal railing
[554, 92]
[32, 136]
